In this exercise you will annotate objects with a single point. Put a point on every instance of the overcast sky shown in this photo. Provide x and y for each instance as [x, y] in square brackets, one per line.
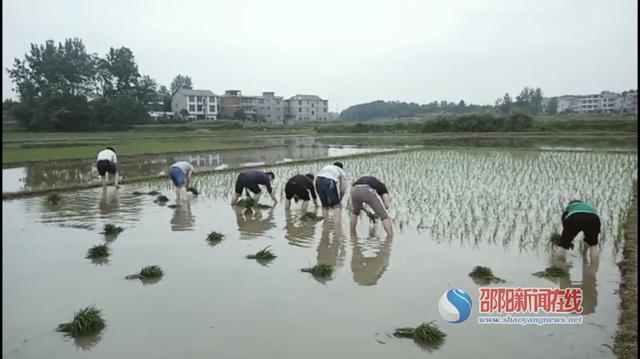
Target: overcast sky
[351, 51]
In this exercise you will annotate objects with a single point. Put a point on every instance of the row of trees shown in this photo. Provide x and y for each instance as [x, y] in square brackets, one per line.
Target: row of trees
[529, 101]
[64, 88]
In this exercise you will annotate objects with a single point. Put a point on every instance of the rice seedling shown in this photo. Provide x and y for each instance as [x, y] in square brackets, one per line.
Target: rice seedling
[554, 238]
[319, 270]
[552, 272]
[111, 229]
[310, 216]
[150, 272]
[153, 193]
[193, 190]
[99, 251]
[172, 206]
[484, 275]
[263, 255]
[161, 199]
[215, 237]
[426, 335]
[85, 321]
[53, 198]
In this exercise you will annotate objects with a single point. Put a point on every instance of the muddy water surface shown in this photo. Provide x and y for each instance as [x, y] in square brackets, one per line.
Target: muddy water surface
[212, 302]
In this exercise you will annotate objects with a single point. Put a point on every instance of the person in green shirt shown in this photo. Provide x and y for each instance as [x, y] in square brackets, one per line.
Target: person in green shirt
[579, 216]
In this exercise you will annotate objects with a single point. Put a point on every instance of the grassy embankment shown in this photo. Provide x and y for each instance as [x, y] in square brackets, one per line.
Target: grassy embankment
[463, 130]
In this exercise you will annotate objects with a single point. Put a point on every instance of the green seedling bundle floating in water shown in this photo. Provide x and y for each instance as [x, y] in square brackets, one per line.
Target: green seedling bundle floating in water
[426, 335]
[310, 216]
[112, 229]
[100, 251]
[215, 237]
[552, 272]
[319, 270]
[153, 193]
[53, 198]
[85, 321]
[137, 193]
[147, 273]
[250, 203]
[484, 275]
[161, 199]
[263, 255]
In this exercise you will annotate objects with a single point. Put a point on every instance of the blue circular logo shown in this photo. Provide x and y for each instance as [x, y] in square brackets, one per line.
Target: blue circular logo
[455, 306]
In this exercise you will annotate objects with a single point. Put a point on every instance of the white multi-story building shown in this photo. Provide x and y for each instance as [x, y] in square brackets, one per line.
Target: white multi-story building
[604, 102]
[195, 105]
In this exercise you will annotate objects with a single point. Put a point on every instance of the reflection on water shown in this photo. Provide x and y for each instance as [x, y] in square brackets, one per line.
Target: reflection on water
[109, 200]
[331, 245]
[368, 268]
[297, 232]
[182, 219]
[60, 173]
[253, 223]
[587, 284]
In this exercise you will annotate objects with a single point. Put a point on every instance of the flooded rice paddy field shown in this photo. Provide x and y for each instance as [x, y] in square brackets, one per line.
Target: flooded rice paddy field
[44, 175]
[453, 210]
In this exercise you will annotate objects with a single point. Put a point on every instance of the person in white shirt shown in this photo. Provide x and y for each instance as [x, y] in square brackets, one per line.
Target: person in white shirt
[331, 184]
[180, 174]
[108, 163]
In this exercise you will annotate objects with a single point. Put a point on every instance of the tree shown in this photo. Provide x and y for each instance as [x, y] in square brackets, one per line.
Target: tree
[164, 96]
[507, 103]
[181, 82]
[552, 106]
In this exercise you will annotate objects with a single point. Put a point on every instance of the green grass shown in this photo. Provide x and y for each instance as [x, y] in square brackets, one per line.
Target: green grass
[111, 229]
[552, 272]
[215, 237]
[150, 272]
[99, 251]
[484, 274]
[263, 255]
[319, 270]
[85, 321]
[427, 335]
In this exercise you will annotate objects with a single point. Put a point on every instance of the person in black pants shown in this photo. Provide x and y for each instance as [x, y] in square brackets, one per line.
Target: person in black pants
[300, 187]
[251, 180]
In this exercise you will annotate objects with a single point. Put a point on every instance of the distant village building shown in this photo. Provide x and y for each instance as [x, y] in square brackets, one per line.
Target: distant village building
[194, 105]
[157, 112]
[306, 108]
[604, 102]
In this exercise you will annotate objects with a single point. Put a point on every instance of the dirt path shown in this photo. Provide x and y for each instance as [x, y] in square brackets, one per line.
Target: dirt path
[626, 339]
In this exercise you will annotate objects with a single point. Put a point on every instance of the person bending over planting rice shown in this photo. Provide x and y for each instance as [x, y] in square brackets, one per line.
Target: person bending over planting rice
[181, 173]
[108, 163]
[579, 216]
[300, 187]
[331, 184]
[251, 180]
[374, 193]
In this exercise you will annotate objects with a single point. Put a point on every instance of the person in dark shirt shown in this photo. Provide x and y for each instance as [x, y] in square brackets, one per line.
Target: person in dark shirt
[374, 193]
[579, 216]
[251, 180]
[300, 187]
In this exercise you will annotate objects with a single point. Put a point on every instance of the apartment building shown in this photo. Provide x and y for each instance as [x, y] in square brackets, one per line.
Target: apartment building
[195, 105]
[306, 108]
[604, 102]
[267, 107]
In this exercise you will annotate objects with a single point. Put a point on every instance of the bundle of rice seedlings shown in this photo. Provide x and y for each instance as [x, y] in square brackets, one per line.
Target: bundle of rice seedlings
[137, 193]
[427, 335]
[85, 321]
[249, 202]
[99, 251]
[161, 199]
[172, 206]
[53, 198]
[319, 270]
[150, 272]
[552, 272]
[193, 190]
[111, 229]
[153, 193]
[484, 274]
[310, 216]
[215, 237]
[263, 255]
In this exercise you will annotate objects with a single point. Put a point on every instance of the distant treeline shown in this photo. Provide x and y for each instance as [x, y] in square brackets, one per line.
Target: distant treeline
[529, 101]
[515, 122]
